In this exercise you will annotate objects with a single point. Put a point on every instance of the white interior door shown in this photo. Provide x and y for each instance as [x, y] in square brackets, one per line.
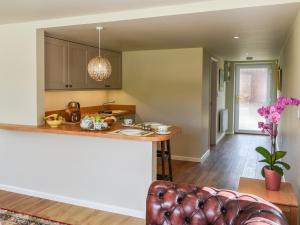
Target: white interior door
[253, 89]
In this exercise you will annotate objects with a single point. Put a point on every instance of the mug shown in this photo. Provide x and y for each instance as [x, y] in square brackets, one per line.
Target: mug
[128, 122]
[162, 129]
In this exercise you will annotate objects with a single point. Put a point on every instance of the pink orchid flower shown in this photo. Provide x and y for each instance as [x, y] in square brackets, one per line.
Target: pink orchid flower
[272, 114]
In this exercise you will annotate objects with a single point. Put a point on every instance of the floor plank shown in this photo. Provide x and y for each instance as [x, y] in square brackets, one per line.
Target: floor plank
[233, 157]
[63, 212]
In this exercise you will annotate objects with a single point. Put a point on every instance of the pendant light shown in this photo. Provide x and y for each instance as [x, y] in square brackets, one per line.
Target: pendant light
[99, 68]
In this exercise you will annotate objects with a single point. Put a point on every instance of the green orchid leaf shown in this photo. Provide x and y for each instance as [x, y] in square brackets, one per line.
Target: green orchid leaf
[263, 172]
[264, 161]
[278, 169]
[285, 165]
[273, 156]
[265, 153]
[279, 154]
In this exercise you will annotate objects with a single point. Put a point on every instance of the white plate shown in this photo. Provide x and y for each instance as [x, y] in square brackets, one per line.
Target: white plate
[132, 132]
[164, 133]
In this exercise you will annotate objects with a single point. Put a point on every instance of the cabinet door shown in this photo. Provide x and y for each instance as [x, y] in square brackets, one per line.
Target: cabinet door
[77, 66]
[90, 83]
[56, 64]
[115, 79]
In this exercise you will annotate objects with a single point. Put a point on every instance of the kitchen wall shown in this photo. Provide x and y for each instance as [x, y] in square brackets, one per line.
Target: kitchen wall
[290, 125]
[166, 86]
[55, 100]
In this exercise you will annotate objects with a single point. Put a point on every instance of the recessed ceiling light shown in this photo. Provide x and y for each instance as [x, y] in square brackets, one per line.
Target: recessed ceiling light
[236, 37]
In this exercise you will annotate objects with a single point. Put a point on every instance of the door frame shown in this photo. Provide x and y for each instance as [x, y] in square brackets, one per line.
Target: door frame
[236, 91]
[213, 94]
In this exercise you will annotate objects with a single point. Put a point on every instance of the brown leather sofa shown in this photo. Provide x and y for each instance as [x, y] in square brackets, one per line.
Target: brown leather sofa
[180, 204]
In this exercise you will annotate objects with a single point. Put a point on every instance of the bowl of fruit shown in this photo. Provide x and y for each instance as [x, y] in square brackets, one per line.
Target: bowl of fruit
[110, 120]
[54, 120]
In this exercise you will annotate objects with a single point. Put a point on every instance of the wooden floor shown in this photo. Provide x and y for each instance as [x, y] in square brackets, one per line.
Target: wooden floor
[232, 158]
[63, 212]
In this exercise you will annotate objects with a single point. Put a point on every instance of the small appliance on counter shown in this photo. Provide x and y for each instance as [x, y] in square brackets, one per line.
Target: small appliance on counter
[72, 113]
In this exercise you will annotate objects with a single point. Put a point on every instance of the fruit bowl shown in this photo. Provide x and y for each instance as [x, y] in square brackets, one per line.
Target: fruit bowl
[54, 123]
[54, 120]
[110, 122]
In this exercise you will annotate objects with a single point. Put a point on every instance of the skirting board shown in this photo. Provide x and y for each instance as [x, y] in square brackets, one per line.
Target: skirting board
[220, 138]
[192, 159]
[73, 201]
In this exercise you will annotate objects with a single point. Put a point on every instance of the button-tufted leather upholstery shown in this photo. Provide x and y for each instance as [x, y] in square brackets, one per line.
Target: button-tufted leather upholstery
[180, 204]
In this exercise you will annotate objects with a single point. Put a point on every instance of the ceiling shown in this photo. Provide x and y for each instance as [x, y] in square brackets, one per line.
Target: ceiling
[262, 32]
[28, 10]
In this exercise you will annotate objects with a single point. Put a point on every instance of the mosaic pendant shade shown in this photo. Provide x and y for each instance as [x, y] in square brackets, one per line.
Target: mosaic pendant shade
[99, 68]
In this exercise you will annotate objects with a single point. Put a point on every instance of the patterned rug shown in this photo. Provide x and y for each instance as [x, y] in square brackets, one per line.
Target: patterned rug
[8, 217]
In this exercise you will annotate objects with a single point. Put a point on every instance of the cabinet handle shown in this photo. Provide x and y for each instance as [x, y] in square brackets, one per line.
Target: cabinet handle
[107, 85]
[66, 86]
[70, 85]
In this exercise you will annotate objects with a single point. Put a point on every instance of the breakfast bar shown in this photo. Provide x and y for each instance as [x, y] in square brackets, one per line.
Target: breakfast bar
[95, 169]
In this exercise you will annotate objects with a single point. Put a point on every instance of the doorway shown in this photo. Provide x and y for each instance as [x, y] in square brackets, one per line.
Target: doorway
[253, 89]
[213, 101]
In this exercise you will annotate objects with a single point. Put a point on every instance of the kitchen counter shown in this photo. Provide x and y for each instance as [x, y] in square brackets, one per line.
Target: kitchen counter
[84, 168]
[74, 129]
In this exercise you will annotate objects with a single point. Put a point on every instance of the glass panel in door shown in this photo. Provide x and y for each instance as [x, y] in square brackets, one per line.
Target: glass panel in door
[252, 91]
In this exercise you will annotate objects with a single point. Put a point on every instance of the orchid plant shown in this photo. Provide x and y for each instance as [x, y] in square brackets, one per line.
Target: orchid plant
[272, 115]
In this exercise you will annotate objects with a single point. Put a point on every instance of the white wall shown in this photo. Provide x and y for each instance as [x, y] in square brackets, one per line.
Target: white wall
[55, 100]
[18, 74]
[166, 85]
[106, 174]
[290, 125]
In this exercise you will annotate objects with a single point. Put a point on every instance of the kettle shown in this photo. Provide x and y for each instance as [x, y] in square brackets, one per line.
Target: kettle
[72, 113]
[74, 105]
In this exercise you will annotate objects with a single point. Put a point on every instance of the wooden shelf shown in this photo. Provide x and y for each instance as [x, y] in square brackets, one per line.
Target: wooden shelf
[285, 199]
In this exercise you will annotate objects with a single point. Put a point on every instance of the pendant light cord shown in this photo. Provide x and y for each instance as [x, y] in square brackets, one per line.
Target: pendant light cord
[99, 40]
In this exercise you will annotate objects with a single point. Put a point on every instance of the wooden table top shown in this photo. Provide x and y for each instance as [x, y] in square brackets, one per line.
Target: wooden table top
[286, 195]
[74, 129]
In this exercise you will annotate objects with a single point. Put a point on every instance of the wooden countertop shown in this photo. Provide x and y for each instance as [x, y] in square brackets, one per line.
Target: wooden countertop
[74, 129]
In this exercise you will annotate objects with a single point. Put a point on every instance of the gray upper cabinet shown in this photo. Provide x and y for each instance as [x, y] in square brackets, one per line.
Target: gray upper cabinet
[115, 79]
[66, 66]
[56, 64]
[77, 66]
